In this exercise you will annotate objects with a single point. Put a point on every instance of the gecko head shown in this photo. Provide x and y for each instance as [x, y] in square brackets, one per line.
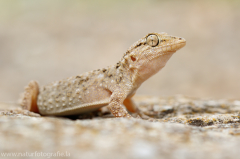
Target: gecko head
[151, 53]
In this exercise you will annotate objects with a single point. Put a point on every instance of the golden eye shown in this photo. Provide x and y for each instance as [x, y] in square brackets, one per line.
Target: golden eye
[152, 40]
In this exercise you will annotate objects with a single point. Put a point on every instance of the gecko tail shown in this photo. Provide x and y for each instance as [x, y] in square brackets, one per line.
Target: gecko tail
[28, 100]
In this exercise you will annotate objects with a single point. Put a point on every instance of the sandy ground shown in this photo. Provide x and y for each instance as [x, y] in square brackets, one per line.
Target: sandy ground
[50, 40]
[186, 128]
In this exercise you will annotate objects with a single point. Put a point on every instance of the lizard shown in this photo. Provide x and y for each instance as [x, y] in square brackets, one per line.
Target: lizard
[113, 86]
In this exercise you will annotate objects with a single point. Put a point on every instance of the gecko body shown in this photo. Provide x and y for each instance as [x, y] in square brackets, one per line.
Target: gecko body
[112, 86]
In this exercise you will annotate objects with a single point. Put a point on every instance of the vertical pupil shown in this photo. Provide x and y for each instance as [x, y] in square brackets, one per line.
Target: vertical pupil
[152, 40]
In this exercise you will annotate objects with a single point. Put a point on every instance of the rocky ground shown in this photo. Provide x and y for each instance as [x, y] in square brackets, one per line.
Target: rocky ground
[186, 128]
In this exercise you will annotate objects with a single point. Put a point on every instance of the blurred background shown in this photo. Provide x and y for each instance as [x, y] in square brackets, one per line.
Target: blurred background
[51, 40]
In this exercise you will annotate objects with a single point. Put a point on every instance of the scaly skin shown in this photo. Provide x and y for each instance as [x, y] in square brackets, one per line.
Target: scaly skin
[112, 86]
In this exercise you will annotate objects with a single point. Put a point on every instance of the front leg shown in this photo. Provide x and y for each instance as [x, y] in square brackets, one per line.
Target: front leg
[116, 104]
[131, 106]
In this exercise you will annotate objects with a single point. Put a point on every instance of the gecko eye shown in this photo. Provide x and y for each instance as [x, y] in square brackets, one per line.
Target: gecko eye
[152, 40]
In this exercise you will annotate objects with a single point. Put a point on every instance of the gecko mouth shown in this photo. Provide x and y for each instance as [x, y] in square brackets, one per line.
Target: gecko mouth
[170, 49]
[175, 47]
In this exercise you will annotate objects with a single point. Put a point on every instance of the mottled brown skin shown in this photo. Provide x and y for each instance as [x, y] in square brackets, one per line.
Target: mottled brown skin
[112, 86]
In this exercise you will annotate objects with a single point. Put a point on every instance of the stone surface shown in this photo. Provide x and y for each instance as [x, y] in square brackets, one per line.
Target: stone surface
[187, 128]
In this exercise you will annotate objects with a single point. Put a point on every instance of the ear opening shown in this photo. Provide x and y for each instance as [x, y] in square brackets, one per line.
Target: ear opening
[133, 58]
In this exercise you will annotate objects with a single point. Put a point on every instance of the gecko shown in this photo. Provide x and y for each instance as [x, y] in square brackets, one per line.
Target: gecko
[112, 86]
